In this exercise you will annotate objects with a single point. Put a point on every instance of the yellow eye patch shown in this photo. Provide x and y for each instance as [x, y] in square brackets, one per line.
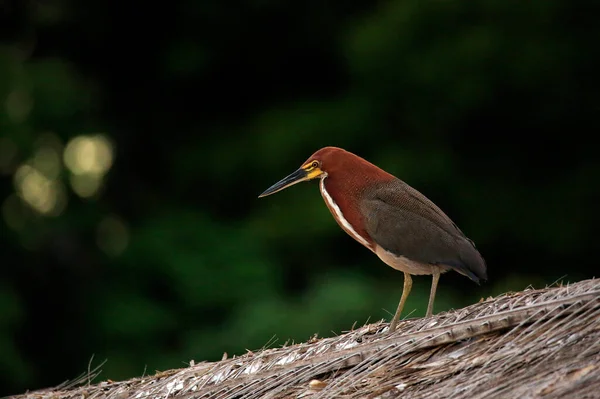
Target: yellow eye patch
[312, 170]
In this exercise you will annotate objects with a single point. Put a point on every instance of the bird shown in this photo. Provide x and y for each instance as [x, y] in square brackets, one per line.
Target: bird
[405, 229]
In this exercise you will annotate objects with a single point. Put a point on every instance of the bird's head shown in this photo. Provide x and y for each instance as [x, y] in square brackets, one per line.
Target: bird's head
[318, 165]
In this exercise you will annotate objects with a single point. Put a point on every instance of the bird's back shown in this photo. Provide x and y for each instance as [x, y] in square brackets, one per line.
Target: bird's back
[404, 222]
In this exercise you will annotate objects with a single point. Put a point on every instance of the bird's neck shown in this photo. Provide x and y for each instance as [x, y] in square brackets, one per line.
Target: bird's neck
[340, 202]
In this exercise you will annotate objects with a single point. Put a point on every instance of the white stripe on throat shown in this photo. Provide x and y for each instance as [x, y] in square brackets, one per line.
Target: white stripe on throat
[338, 213]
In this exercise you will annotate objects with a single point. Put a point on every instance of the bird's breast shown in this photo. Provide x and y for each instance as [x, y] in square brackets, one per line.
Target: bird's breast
[339, 216]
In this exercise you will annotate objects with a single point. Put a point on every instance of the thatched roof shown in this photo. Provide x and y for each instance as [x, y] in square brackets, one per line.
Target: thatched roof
[536, 343]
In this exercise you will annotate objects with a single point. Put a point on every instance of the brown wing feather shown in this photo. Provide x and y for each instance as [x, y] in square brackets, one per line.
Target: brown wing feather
[403, 221]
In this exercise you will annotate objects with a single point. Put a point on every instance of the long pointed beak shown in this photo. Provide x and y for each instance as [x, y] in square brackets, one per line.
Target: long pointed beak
[298, 176]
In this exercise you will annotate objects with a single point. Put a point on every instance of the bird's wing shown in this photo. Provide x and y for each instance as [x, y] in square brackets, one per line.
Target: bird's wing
[403, 221]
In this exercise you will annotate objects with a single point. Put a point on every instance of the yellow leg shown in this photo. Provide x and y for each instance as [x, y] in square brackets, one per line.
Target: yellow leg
[434, 283]
[405, 292]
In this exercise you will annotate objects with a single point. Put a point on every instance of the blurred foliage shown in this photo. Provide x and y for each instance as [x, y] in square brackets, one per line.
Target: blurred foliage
[134, 142]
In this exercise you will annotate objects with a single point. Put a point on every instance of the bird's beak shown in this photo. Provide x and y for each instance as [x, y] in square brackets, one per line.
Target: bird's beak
[298, 176]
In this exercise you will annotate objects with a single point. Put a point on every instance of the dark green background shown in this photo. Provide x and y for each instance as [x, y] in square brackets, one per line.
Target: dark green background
[489, 108]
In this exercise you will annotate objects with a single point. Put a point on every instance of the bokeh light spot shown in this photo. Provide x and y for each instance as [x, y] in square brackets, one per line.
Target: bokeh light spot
[89, 155]
[86, 185]
[112, 236]
[44, 195]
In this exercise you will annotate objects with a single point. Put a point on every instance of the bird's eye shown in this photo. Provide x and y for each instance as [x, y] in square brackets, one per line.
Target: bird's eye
[314, 164]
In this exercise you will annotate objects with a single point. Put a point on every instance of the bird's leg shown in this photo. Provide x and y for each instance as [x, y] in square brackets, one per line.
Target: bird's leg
[434, 283]
[405, 291]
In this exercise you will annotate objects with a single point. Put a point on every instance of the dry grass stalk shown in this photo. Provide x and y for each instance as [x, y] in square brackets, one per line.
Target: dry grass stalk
[536, 343]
